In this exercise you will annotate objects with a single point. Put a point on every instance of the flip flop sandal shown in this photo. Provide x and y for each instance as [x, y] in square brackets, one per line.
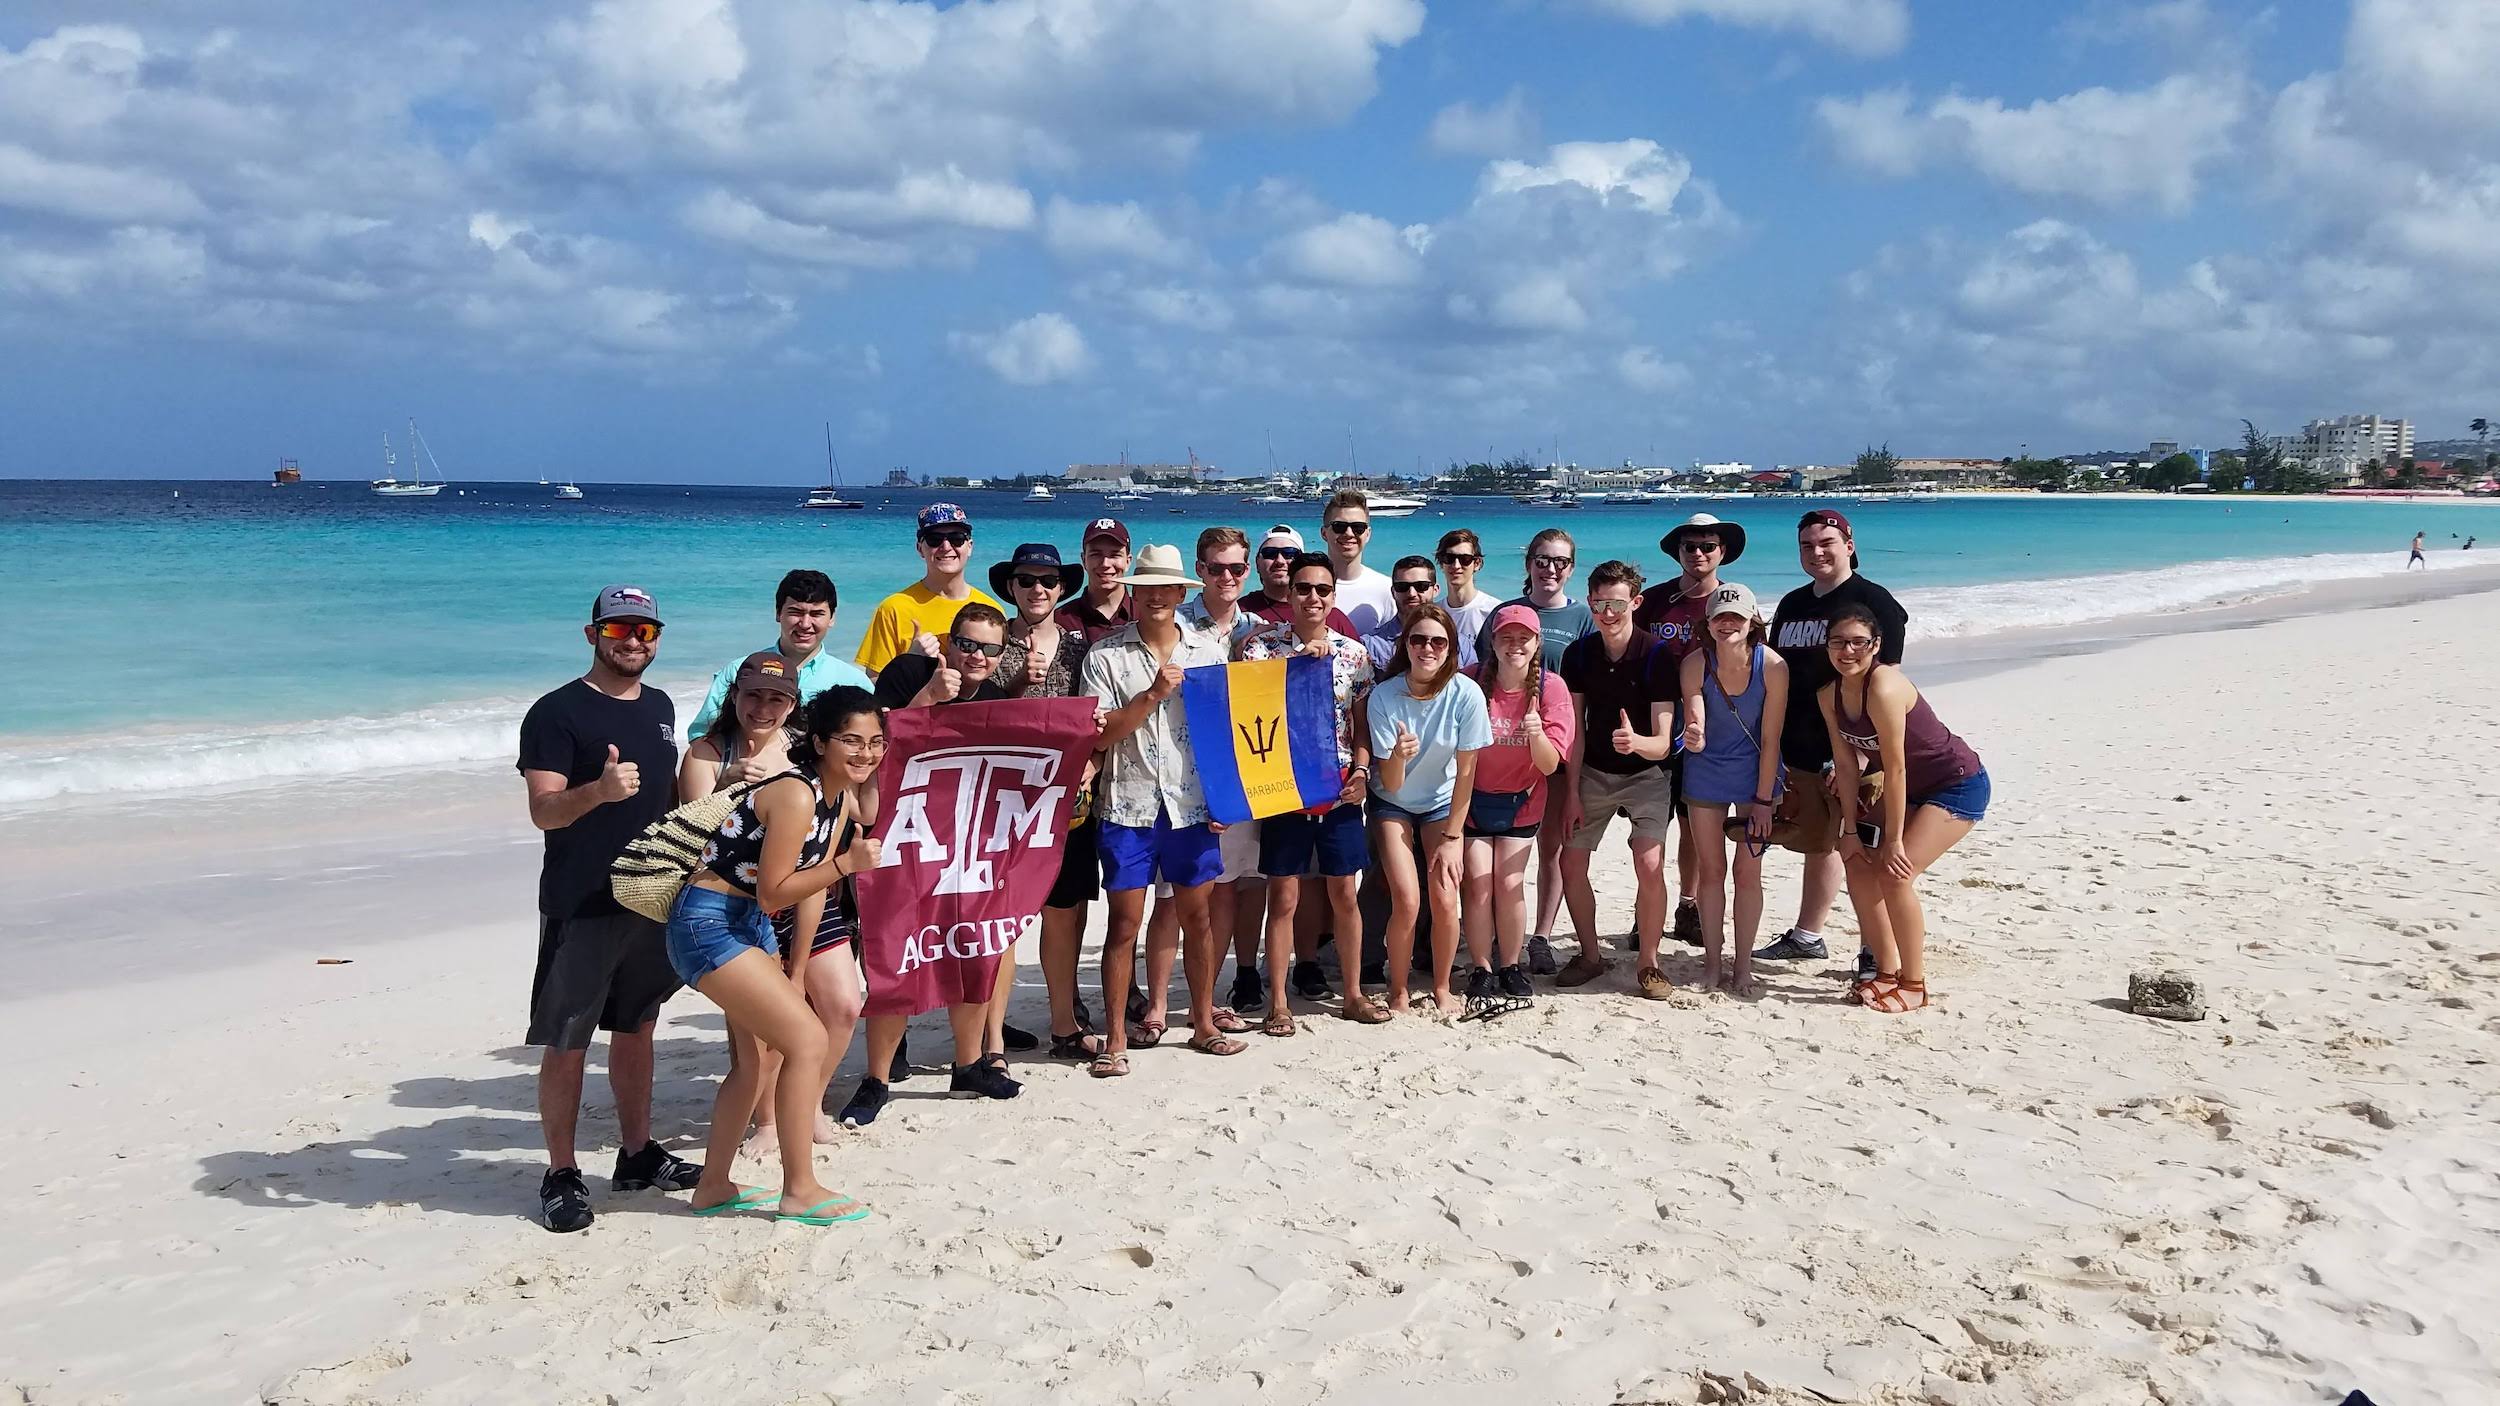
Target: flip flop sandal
[1217, 1044]
[1229, 1020]
[1278, 1024]
[829, 1212]
[1364, 1013]
[1076, 1045]
[1145, 1035]
[1110, 1066]
[749, 1198]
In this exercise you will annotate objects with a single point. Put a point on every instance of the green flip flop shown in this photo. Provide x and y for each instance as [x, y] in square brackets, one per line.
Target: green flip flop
[817, 1214]
[752, 1198]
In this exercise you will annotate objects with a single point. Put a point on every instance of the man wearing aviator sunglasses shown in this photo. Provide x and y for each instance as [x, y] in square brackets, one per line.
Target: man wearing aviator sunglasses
[1461, 554]
[915, 618]
[1272, 602]
[1413, 585]
[1362, 593]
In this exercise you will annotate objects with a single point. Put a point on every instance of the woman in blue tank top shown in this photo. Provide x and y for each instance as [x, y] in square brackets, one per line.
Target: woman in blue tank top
[1735, 697]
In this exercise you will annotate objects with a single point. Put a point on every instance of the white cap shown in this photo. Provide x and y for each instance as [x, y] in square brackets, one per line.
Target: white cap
[1282, 536]
[1733, 599]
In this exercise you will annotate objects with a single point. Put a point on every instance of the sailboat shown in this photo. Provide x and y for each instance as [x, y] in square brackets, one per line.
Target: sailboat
[389, 486]
[830, 496]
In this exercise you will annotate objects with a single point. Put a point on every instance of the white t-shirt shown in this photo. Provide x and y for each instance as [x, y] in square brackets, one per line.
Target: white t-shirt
[1470, 619]
[1366, 599]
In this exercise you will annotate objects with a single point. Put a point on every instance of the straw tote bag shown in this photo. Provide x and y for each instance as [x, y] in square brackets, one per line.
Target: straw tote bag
[657, 863]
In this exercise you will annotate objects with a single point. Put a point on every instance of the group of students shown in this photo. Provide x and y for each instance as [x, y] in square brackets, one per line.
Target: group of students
[1478, 740]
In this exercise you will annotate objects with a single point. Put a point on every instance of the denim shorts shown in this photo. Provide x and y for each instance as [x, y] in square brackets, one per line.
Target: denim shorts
[1966, 799]
[707, 928]
[1331, 843]
[1382, 808]
[1134, 856]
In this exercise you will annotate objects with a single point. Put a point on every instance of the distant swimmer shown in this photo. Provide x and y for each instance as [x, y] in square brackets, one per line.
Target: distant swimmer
[2469, 545]
[2416, 559]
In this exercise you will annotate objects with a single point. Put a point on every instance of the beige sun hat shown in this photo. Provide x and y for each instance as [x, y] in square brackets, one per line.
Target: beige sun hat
[1157, 565]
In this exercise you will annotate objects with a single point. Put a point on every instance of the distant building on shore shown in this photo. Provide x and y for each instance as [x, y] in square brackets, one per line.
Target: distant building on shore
[1955, 473]
[2348, 443]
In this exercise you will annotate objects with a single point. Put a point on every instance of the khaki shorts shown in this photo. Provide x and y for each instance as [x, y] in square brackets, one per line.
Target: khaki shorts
[1645, 797]
[1809, 805]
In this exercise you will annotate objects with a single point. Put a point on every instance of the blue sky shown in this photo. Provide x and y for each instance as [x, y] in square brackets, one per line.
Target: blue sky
[665, 239]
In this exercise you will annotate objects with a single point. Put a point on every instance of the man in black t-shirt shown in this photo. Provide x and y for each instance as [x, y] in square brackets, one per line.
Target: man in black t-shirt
[598, 756]
[1616, 684]
[963, 670]
[1827, 549]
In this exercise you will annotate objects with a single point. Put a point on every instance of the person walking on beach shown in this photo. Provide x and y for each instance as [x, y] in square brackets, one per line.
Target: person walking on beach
[1560, 620]
[1528, 713]
[1672, 610]
[1619, 688]
[1102, 605]
[1272, 602]
[1237, 905]
[1324, 846]
[584, 750]
[1154, 812]
[914, 619]
[1934, 790]
[2416, 558]
[1426, 722]
[1735, 703]
[784, 845]
[1362, 593]
[1461, 554]
[803, 609]
[1412, 586]
[964, 671]
[1042, 660]
[1827, 549]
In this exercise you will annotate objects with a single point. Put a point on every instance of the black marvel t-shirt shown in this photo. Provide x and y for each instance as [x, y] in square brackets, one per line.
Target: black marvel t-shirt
[1645, 675]
[1797, 630]
[569, 732]
[899, 682]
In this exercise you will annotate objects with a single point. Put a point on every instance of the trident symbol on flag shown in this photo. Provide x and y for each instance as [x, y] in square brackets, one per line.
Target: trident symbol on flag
[1259, 735]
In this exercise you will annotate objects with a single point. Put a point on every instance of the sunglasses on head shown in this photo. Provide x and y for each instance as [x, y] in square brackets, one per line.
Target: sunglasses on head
[1223, 568]
[1349, 527]
[641, 631]
[946, 539]
[1314, 588]
[1460, 558]
[986, 651]
[1419, 588]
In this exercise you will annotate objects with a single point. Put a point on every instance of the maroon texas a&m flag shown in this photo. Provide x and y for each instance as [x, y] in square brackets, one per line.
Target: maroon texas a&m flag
[973, 802]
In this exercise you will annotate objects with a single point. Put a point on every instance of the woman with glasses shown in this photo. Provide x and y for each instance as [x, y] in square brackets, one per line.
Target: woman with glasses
[1560, 620]
[784, 845]
[1735, 701]
[1041, 661]
[1426, 722]
[1934, 789]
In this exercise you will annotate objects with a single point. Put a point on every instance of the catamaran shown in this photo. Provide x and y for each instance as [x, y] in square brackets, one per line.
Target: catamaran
[830, 496]
[389, 486]
[1038, 493]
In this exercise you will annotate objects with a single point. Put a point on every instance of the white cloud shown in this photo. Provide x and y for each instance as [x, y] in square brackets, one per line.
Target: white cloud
[1864, 27]
[103, 194]
[2427, 62]
[942, 197]
[1352, 251]
[1643, 369]
[1039, 350]
[2110, 148]
[1638, 172]
[1076, 231]
[735, 220]
[1507, 128]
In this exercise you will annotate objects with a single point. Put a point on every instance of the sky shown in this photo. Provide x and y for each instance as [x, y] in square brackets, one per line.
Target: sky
[670, 240]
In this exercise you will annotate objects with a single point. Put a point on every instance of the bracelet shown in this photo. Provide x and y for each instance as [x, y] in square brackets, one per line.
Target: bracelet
[1764, 801]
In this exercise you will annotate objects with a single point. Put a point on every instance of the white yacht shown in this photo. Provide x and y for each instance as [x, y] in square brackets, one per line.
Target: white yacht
[829, 498]
[568, 491]
[1393, 505]
[1039, 493]
[389, 486]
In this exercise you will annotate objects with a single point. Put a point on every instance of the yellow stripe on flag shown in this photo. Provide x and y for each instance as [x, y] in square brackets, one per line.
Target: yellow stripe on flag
[1260, 748]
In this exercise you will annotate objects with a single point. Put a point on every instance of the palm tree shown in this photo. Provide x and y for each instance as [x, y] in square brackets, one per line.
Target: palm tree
[2481, 428]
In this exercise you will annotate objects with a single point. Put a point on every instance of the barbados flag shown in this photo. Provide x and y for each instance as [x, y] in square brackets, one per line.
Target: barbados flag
[1264, 736]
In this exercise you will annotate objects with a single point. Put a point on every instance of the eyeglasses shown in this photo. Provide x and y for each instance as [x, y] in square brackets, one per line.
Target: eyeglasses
[1027, 583]
[986, 651]
[1460, 558]
[1314, 588]
[1850, 644]
[1349, 528]
[1699, 544]
[946, 539]
[1427, 642]
[853, 742]
[1223, 568]
[1419, 588]
[640, 631]
[1550, 563]
[1609, 607]
[1279, 553]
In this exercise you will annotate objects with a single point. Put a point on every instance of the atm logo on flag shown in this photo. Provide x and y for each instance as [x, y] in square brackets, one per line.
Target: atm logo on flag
[960, 808]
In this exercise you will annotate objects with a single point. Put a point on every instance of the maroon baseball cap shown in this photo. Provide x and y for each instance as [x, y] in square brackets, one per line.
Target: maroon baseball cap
[1110, 527]
[767, 670]
[1825, 517]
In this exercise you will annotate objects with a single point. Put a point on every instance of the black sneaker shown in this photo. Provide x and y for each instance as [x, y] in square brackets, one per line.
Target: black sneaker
[1513, 980]
[1480, 999]
[867, 1101]
[1793, 946]
[1541, 956]
[983, 1081]
[1375, 973]
[1311, 983]
[1866, 965]
[901, 1069]
[1018, 1040]
[1249, 992]
[563, 1201]
[1688, 923]
[654, 1166]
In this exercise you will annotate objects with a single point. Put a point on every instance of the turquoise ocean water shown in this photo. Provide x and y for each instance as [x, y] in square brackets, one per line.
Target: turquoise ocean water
[219, 634]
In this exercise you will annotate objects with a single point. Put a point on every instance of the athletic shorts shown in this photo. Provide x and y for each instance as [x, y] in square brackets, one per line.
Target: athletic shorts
[1331, 843]
[1240, 847]
[1642, 797]
[1134, 856]
[609, 972]
[1080, 868]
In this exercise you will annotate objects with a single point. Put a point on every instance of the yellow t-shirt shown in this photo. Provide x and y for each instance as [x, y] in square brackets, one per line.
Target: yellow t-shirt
[908, 612]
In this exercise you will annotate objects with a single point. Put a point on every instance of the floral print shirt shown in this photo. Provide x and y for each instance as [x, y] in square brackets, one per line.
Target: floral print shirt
[735, 849]
[1350, 664]
[1150, 771]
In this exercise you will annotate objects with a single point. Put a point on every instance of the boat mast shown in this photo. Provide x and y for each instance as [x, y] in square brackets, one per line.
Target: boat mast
[833, 466]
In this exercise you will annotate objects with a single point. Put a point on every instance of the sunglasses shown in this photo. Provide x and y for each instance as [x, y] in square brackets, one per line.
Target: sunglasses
[1850, 644]
[1427, 641]
[1279, 553]
[1418, 588]
[1350, 528]
[1609, 607]
[1699, 544]
[946, 539]
[640, 631]
[1460, 558]
[1027, 583]
[1314, 588]
[1223, 568]
[986, 651]
[1550, 563]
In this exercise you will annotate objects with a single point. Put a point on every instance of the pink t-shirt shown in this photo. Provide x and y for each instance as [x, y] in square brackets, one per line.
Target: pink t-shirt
[1506, 766]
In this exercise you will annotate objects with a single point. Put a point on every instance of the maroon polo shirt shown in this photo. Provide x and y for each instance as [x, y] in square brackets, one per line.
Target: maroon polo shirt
[1080, 618]
[1267, 607]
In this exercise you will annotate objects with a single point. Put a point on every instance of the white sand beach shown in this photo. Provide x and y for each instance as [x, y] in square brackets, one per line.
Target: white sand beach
[248, 1177]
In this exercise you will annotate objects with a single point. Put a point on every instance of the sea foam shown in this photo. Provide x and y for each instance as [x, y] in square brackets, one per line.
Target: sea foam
[1953, 612]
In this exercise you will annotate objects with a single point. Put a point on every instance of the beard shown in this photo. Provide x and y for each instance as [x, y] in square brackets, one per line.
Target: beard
[631, 669]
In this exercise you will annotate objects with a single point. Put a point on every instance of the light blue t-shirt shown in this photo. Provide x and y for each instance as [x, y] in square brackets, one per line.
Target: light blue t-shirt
[822, 671]
[1448, 723]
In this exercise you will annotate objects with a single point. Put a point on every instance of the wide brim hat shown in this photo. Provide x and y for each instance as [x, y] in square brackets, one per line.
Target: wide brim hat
[1731, 536]
[1002, 574]
[1157, 565]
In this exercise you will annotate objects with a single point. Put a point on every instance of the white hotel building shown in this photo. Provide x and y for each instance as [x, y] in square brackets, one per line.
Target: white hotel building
[2348, 443]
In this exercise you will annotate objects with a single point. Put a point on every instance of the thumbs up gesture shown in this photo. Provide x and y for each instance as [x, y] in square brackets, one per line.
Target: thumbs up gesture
[1627, 742]
[946, 683]
[1408, 744]
[618, 779]
[1035, 667]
